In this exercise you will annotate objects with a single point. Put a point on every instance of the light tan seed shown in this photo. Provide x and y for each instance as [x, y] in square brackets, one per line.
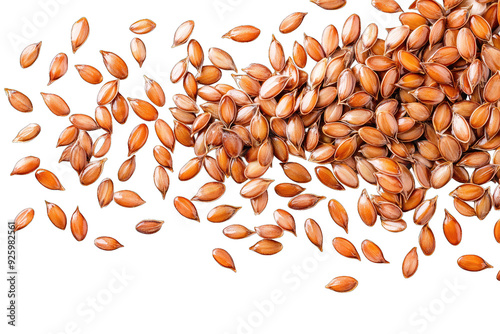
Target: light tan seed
[223, 258]
[387, 6]
[127, 169]
[56, 215]
[142, 26]
[79, 33]
[372, 252]
[58, 67]
[107, 243]
[18, 100]
[338, 214]
[138, 49]
[92, 172]
[183, 33]
[313, 232]
[473, 263]
[410, 263]
[105, 192]
[23, 218]
[221, 59]
[79, 226]
[108, 93]
[186, 208]
[115, 65]
[128, 199]
[304, 201]
[341, 283]
[243, 34]
[237, 231]
[149, 226]
[285, 220]
[267, 247]
[269, 231]
[89, 73]
[330, 4]
[345, 248]
[29, 132]
[255, 187]
[366, 209]
[30, 54]
[468, 192]
[137, 138]
[222, 213]
[26, 165]
[427, 240]
[48, 179]
[291, 22]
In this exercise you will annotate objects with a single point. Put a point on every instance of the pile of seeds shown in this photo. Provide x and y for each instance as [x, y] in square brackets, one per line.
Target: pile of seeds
[405, 114]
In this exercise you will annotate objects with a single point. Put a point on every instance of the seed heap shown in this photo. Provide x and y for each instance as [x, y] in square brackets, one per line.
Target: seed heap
[407, 113]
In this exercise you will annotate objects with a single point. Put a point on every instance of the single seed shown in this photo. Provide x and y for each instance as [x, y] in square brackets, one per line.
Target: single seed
[149, 226]
[79, 226]
[107, 243]
[372, 252]
[23, 218]
[473, 263]
[341, 283]
[223, 258]
[79, 33]
[410, 263]
[313, 232]
[267, 247]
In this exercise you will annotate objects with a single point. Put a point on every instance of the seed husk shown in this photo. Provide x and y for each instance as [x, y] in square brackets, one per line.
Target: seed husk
[58, 67]
[473, 263]
[342, 283]
[183, 33]
[143, 26]
[222, 213]
[313, 232]
[338, 214]
[105, 192]
[267, 247]
[410, 263]
[149, 226]
[425, 211]
[79, 33]
[128, 199]
[345, 248]
[56, 215]
[23, 218]
[237, 231]
[78, 224]
[107, 243]
[372, 252]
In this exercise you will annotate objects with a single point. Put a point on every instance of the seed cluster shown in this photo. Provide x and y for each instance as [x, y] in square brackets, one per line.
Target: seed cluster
[405, 114]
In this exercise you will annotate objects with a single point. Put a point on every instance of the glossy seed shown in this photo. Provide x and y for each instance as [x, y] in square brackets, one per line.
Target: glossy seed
[345, 248]
[267, 247]
[23, 218]
[338, 214]
[149, 226]
[313, 232]
[223, 258]
[128, 199]
[79, 226]
[473, 263]
[410, 263]
[372, 252]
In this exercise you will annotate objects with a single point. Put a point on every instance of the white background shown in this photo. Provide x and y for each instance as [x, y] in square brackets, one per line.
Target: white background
[170, 282]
